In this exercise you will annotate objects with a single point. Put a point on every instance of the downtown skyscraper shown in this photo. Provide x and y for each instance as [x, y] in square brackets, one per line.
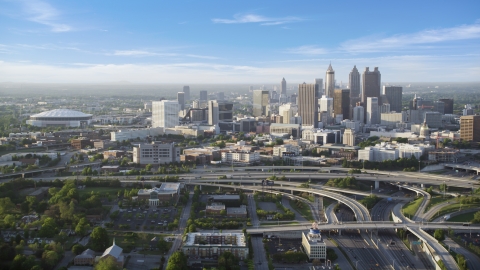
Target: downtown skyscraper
[283, 87]
[371, 82]
[354, 85]
[329, 81]
[394, 97]
[308, 104]
[260, 102]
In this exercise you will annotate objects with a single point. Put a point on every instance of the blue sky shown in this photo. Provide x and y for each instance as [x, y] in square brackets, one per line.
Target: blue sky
[237, 41]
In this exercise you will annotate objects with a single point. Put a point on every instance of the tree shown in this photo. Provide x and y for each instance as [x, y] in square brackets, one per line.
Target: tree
[48, 228]
[82, 227]
[49, 259]
[178, 261]
[108, 263]
[9, 220]
[99, 239]
[439, 234]
[6, 205]
[228, 261]
[77, 249]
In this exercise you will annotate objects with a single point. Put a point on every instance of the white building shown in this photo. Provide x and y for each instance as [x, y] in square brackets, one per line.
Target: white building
[287, 111]
[123, 135]
[417, 150]
[165, 113]
[391, 119]
[321, 136]
[156, 153]
[238, 156]
[349, 137]
[60, 118]
[386, 151]
[214, 244]
[359, 114]
[314, 246]
[326, 105]
[279, 150]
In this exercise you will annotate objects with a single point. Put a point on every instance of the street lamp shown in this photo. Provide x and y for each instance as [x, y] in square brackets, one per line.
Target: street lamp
[393, 264]
[371, 190]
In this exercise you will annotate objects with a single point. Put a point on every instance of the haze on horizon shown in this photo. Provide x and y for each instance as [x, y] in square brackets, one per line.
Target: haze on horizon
[189, 42]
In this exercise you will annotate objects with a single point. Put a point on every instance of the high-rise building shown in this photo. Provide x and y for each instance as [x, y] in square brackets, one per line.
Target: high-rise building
[165, 113]
[219, 111]
[349, 137]
[181, 100]
[439, 106]
[287, 111]
[284, 87]
[203, 95]
[260, 102]
[326, 109]
[470, 128]
[329, 81]
[308, 104]
[354, 83]
[394, 97]
[319, 82]
[373, 113]
[341, 102]
[220, 96]
[359, 114]
[186, 90]
[448, 105]
[371, 81]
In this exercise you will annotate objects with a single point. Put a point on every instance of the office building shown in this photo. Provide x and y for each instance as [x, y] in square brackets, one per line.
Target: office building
[385, 108]
[448, 109]
[260, 103]
[208, 245]
[239, 157]
[394, 97]
[165, 113]
[219, 111]
[439, 106]
[354, 83]
[308, 104]
[283, 86]
[203, 95]
[359, 114]
[373, 113]
[371, 82]
[166, 193]
[181, 100]
[313, 244]
[220, 96]
[186, 90]
[319, 82]
[341, 102]
[326, 108]
[433, 119]
[287, 111]
[470, 128]
[391, 119]
[156, 153]
[349, 137]
[329, 81]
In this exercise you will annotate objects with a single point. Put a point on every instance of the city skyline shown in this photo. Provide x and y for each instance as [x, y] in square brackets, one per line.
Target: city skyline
[248, 42]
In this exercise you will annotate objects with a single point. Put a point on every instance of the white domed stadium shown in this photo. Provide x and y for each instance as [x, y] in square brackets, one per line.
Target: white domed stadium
[60, 118]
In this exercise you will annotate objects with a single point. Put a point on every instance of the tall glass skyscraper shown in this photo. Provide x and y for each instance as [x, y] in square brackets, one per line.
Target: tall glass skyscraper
[330, 81]
[260, 102]
[308, 104]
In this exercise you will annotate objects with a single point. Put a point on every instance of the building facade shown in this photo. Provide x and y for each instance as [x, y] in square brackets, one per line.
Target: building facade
[448, 107]
[354, 85]
[181, 100]
[308, 104]
[165, 113]
[215, 244]
[203, 95]
[313, 244]
[373, 113]
[341, 102]
[260, 103]
[371, 82]
[186, 90]
[349, 137]
[470, 128]
[394, 97]
[156, 153]
[283, 86]
[329, 81]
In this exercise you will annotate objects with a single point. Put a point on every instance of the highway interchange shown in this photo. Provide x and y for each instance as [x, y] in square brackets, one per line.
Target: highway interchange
[249, 178]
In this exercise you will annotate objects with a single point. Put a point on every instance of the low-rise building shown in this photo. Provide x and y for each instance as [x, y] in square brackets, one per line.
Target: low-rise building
[313, 244]
[237, 212]
[280, 150]
[214, 208]
[156, 153]
[113, 154]
[85, 258]
[215, 244]
[114, 252]
[228, 200]
[167, 192]
[240, 157]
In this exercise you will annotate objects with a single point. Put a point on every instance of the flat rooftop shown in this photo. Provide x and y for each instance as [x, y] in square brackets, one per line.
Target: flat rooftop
[224, 197]
[240, 239]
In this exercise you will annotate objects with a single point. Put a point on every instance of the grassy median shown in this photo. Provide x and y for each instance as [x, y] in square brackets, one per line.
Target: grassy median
[411, 208]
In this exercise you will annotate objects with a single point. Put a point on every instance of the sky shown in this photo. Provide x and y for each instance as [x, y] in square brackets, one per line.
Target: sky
[91, 41]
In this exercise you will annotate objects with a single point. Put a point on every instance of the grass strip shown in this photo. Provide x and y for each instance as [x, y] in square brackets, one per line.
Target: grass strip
[411, 208]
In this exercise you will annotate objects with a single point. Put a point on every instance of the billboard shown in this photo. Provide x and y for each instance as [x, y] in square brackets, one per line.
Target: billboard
[268, 183]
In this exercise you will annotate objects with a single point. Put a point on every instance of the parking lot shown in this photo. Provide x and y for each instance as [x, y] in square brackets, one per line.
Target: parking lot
[153, 218]
[277, 245]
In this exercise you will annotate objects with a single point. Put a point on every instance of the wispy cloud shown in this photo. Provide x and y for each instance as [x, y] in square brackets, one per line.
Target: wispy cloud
[375, 44]
[144, 53]
[134, 53]
[307, 50]
[43, 13]
[254, 18]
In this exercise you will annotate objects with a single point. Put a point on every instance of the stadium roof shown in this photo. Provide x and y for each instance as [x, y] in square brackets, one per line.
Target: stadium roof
[61, 113]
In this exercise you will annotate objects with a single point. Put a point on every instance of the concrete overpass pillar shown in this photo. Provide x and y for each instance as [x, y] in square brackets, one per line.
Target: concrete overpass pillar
[377, 184]
[291, 191]
[422, 185]
[339, 232]
[200, 187]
